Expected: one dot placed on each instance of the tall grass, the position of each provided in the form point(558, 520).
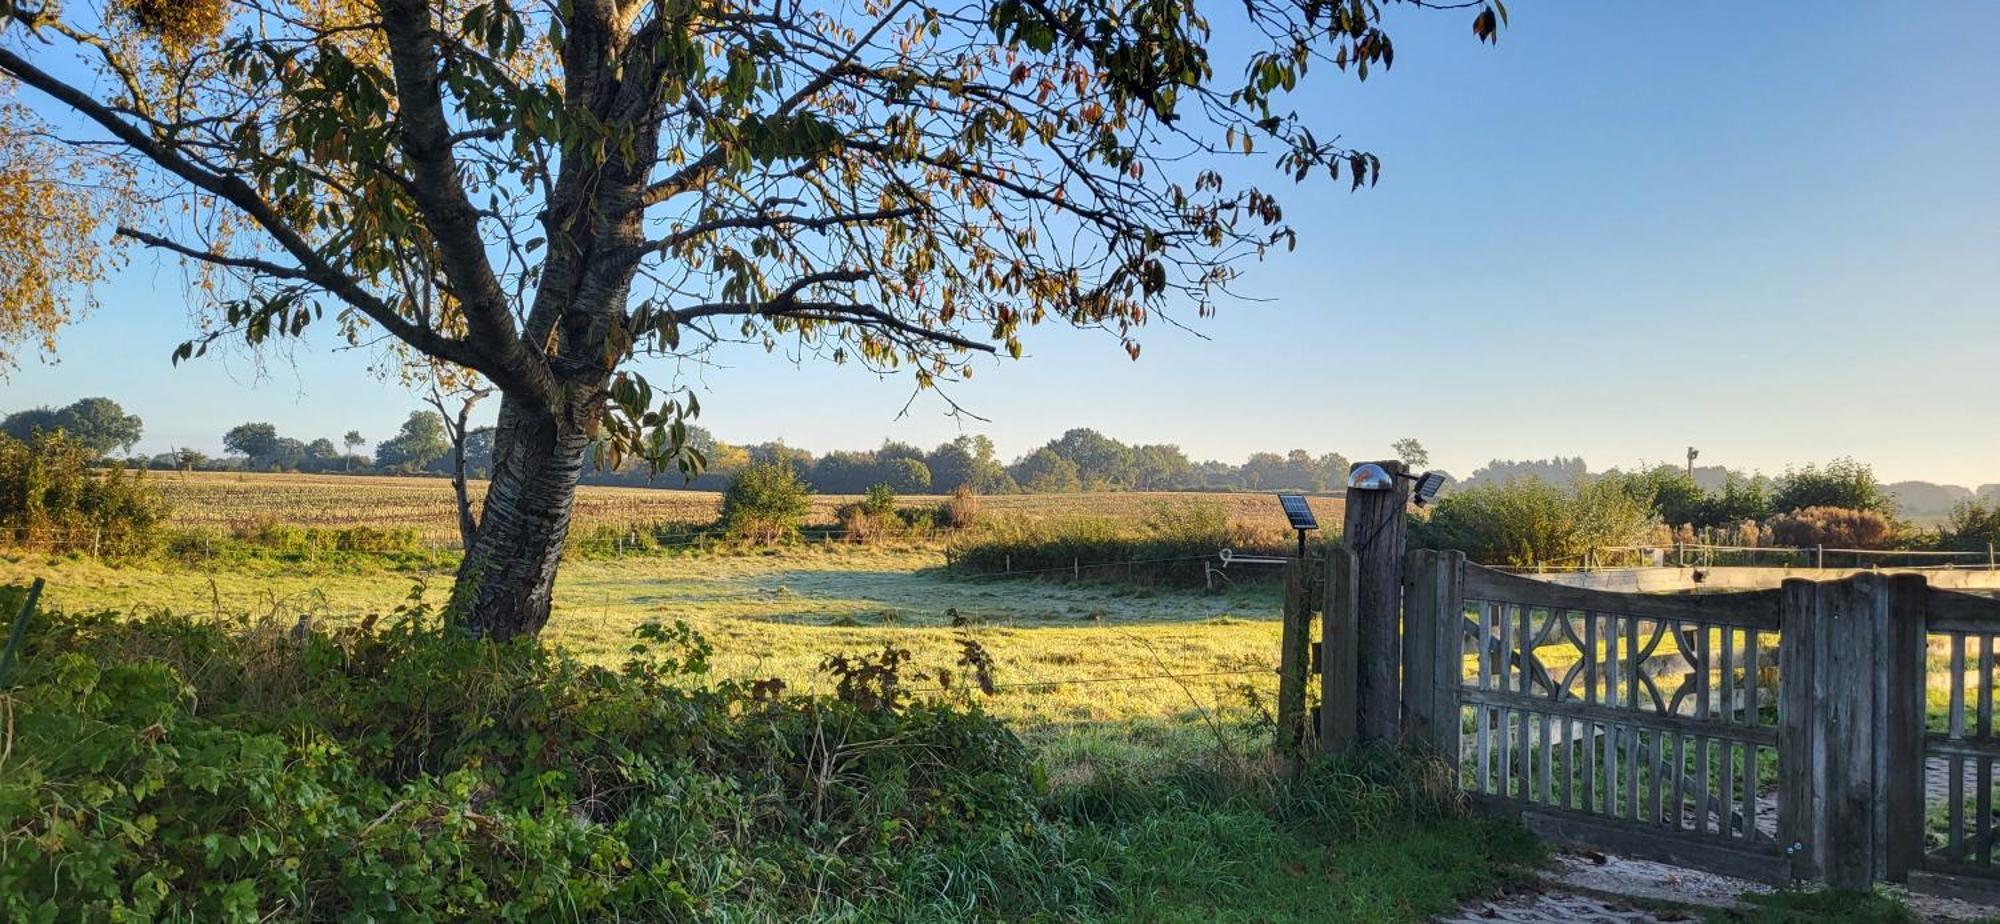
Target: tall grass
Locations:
point(1168, 546)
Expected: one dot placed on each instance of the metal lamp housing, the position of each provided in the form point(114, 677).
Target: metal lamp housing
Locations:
point(1369, 476)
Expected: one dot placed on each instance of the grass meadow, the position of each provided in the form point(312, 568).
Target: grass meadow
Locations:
point(1143, 703)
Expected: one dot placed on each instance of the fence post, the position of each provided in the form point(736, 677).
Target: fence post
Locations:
point(1850, 727)
point(1373, 529)
point(1905, 700)
point(1340, 655)
point(1294, 658)
point(1433, 651)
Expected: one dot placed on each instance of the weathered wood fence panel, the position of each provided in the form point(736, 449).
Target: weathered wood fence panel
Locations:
point(1957, 740)
point(1775, 734)
point(1633, 723)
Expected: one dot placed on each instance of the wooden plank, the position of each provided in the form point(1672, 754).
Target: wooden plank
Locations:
point(1982, 778)
point(1546, 753)
point(1955, 825)
point(1340, 655)
point(1703, 679)
point(1524, 644)
point(1483, 734)
point(1611, 806)
point(1448, 661)
point(1591, 738)
point(1905, 701)
point(1763, 735)
point(1578, 829)
point(1754, 717)
point(1796, 652)
point(1373, 529)
point(1755, 609)
point(1423, 624)
point(1952, 611)
point(1846, 669)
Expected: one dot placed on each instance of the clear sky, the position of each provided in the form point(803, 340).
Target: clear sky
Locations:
point(1769, 230)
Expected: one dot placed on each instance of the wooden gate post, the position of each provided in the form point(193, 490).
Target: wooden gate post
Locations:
point(1850, 727)
point(1373, 530)
point(1434, 651)
point(1340, 655)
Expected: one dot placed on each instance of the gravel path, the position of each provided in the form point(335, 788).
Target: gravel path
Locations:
point(1556, 908)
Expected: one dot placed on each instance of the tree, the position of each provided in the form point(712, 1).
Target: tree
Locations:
point(1412, 453)
point(1102, 463)
point(910, 476)
point(544, 194)
point(51, 230)
point(258, 441)
point(1046, 472)
point(96, 425)
point(187, 459)
point(351, 441)
point(458, 430)
point(320, 455)
point(420, 442)
point(1162, 467)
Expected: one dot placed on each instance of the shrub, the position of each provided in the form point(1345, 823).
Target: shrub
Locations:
point(1528, 521)
point(765, 502)
point(962, 510)
point(1833, 526)
point(164, 769)
point(880, 501)
point(51, 498)
point(1973, 526)
point(870, 517)
point(1843, 483)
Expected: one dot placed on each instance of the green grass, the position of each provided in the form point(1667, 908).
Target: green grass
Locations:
point(1160, 777)
point(1817, 907)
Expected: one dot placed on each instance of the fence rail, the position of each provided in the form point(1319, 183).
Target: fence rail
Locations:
point(1840, 730)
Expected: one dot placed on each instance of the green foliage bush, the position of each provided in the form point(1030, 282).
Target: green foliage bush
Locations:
point(1528, 521)
point(51, 498)
point(1675, 498)
point(765, 502)
point(1973, 526)
point(165, 769)
point(1842, 483)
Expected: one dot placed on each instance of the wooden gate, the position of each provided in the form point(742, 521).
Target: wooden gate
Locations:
point(1644, 724)
point(1837, 730)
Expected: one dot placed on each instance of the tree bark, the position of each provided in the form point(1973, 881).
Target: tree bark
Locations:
point(507, 578)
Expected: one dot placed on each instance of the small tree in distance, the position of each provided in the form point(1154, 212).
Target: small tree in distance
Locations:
point(765, 502)
point(1412, 453)
point(351, 441)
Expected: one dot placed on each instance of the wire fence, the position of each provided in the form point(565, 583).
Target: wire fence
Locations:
point(1705, 555)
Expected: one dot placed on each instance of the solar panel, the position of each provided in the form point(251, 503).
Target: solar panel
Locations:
point(1298, 511)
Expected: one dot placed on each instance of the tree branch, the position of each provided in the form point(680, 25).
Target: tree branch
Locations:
point(241, 195)
point(425, 138)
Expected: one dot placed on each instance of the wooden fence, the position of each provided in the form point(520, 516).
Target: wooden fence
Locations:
point(1840, 731)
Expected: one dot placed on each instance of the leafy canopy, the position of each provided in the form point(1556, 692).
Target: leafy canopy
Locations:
point(543, 194)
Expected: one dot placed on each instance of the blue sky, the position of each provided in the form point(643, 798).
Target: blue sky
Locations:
point(1768, 230)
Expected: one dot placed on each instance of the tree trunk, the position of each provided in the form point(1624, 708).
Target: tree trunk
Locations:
point(509, 573)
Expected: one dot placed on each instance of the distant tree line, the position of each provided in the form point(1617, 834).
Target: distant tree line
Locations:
point(1556, 512)
point(1079, 460)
